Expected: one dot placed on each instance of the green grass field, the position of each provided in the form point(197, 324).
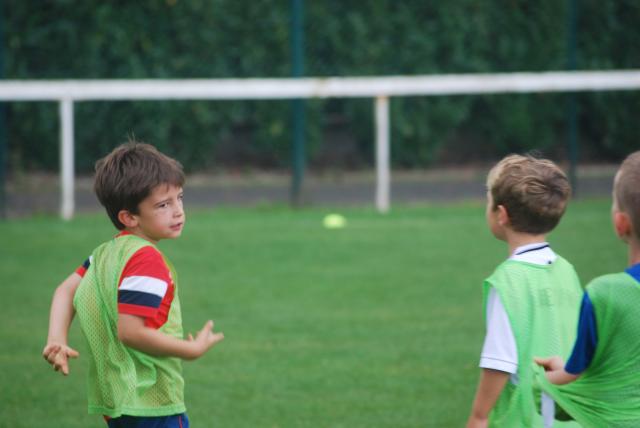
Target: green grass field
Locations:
point(376, 325)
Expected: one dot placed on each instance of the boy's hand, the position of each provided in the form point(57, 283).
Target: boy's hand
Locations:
point(554, 370)
point(58, 356)
point(550, 363)
point(205, 339)
point(474, 422)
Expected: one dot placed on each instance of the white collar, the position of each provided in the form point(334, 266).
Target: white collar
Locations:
point(539, 253)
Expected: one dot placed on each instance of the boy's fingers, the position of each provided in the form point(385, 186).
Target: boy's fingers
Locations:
point(73, 353)
point(545, 363)
point(541, 361)
point(50, 349)
point(62, 367)
point(205, 330)
point(51, 358)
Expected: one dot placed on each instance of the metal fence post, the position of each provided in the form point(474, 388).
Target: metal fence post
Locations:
point(66, 159)
point(382, 154)
point(572, 104)
point(298, 104)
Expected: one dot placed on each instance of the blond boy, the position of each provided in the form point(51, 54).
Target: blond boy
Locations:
point(531, 299)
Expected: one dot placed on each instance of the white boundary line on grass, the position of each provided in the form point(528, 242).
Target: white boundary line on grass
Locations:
point(66, 92)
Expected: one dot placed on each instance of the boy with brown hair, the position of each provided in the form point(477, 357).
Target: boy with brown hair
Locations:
point(531, 299)
point(126, 297)
point(600, 383)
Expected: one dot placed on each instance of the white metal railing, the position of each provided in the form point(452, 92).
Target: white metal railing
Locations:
point(66, 92)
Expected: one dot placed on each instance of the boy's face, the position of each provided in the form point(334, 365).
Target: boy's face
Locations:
point(161, 214)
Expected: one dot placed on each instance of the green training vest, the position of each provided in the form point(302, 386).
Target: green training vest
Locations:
point(542, 303)
point(123, 381)
point(607, 394)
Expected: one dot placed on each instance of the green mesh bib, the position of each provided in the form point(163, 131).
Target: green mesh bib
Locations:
point(607, 394)
point(542, 303)
point(123, 381)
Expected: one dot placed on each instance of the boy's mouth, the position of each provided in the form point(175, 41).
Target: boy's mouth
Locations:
point(177, 226)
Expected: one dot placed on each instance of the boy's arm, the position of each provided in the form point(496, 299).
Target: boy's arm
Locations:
point(56, 351)
point(554, 370)
point(583, 351)
point(491, 384)
point(134, 334)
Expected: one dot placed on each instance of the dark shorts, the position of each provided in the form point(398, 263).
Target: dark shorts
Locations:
point(173, 421)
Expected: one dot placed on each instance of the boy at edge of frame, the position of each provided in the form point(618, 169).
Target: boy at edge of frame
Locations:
point(600, 385)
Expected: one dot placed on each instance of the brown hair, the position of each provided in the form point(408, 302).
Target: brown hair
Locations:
point(129, 174)
point(626, 190)
point(533, 191)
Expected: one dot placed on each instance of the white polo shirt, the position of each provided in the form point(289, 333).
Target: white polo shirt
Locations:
point(499, 351)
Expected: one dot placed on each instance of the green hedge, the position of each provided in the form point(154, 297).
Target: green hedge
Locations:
point(231, 38)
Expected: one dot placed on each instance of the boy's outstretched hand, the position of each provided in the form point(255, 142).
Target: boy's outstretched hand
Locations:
point(58, 356)
point(205, 339)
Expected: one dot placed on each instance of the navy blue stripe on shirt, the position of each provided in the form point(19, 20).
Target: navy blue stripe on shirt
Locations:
point(139, 298)
point(634, 271)
point(532, 249)
point(87, 263)
point(586, 341)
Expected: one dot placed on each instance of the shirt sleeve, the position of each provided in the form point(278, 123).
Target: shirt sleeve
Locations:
point(499, 351)
point(143, 284)
point(586, 341)
point(82, 269)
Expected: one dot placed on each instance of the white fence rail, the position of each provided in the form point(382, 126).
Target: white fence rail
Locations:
point(66, 92)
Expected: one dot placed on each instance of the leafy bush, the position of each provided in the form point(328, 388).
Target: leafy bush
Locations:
point(227, 38)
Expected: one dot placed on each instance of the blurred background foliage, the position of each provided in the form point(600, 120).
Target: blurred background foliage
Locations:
point(93, 39)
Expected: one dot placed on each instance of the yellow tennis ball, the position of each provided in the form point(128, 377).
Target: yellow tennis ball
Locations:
point(334, 221)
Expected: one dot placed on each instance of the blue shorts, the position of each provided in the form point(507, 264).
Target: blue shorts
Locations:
point(173, 421)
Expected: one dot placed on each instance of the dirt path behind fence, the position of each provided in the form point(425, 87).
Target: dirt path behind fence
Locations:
point(39, 194)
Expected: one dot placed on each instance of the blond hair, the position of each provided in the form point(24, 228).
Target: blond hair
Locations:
point(626, 190)
point(533, 191)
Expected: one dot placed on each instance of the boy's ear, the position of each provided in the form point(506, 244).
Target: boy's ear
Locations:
point(622, 225)
point(503, 215)
point(129, 220)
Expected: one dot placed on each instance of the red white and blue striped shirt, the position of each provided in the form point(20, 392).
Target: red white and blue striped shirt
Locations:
point(145, 288)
